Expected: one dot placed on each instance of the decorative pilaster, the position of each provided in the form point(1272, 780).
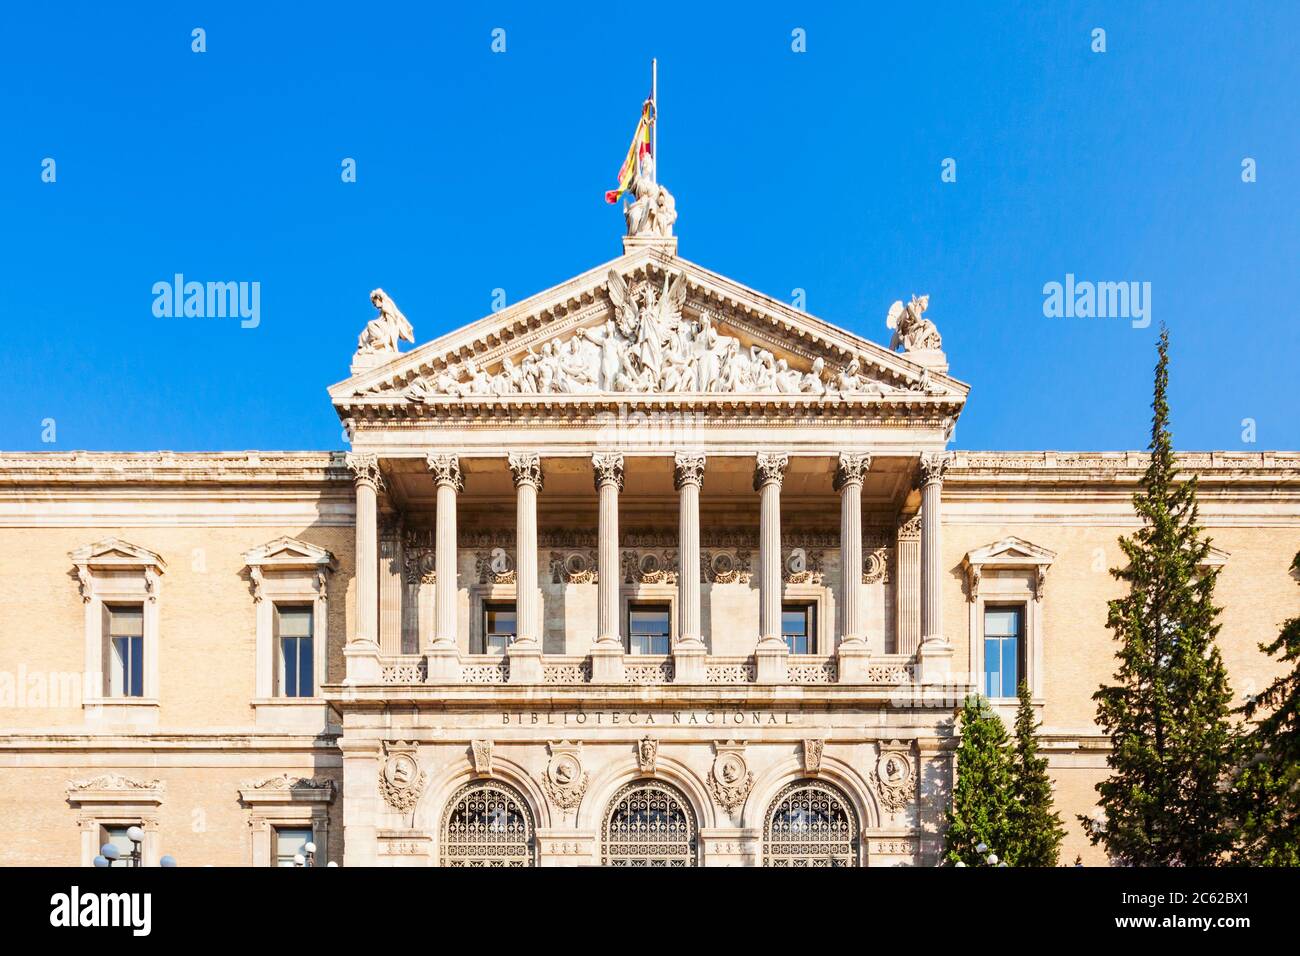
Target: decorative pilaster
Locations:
point(853, 651)
point(362, 651)
point(607, 652)
point(771, 652)
point(689, 650)
point(908, 586)
point(934, 644)
point(526, 651)
point(443, 656)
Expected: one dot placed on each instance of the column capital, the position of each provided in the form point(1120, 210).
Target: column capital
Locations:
point(365, 469)
point(445, 470)
point(769, 468)
point(851, 469)
point(688, 469)
point(608, 468)
point(932, 467)
point(526, 467)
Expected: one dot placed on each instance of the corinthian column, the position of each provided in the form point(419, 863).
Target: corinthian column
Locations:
point(771, 652)
point(607, 652)
point(849, 475)
point(362, 651)
point(446, 476)
point(526, 651)
point(934, 643)
point(367, 479)
point(689, 650)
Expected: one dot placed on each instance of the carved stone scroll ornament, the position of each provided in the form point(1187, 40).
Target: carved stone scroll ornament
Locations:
point(526, 468)
point(565, 781)
point(875, 566)
point(607, 468)
point(365, 469)
point(647, 752)
point(401, 781)
point(481, 752)
point(730, 780)
point(495, 567)
point(574, 567)
point(651, 566)
point(894, 777)
point(727, 566)
point(769, 468)
point(420, 565)
point(812, 755)
point(445, 470)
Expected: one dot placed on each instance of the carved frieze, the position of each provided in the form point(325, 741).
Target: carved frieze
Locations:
point(577, 566)
point(496, 566)
point(726, 565)
point(419, 565)
point(803, 566)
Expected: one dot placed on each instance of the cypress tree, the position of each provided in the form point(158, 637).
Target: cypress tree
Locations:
point(1037, 827)
point(1166, 801)
point(1268, 790)
point(982, 798)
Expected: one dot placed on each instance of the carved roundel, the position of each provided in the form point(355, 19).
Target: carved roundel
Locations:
point(564, 770)
point(893, 769)
point(576, 563)
point(500, 561)
point(723, 563)
point(797, 561)
point(650, 563)
point(729, 769)
point(401, 771)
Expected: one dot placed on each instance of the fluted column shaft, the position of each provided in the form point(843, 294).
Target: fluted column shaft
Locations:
point(608, 470)
point(908, 586)
point(849, 476)
point(933, 467)
point(768, 474)
point(527, 471)
point(367, 480)
point(446, 475)
point(688, 476)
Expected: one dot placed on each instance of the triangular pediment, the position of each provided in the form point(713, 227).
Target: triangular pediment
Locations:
point(115, 553)
point(646, 325)
point(286, 552)
point(1010, 552)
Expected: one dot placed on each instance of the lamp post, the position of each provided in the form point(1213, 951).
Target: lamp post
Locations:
point(110, 854)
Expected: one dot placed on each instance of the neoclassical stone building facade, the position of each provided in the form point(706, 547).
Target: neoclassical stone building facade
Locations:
point(648, 569)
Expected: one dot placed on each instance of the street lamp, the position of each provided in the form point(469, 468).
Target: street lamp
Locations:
point(110, 854)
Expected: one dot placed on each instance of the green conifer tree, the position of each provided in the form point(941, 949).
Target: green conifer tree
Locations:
point(1165, 802)
point(1037, 827)
point(982, 798)
point(1268, 789)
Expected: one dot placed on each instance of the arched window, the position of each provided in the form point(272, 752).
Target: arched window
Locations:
point(649, 823)
point(810, 823)
point(487, 823)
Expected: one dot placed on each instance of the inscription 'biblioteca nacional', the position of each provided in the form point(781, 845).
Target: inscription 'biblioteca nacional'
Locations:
point(633, 718)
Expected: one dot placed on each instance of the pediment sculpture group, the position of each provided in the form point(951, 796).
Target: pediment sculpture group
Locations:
point(648, 345)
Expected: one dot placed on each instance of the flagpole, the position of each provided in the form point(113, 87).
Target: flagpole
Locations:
point(654, 99)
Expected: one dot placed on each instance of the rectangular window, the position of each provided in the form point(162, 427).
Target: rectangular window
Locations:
point(1004, 635)
point(116, 835)
point(293, 638)
point(289, 842)
point(798, 628)
point(125, 627)
point(648, 629)
point(499, 628)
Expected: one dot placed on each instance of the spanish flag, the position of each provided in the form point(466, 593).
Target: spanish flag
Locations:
point(640, 147)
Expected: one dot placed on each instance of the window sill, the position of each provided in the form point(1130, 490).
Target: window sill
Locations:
point(135, 711)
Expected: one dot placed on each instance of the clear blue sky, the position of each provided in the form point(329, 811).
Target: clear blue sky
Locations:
point(816, 170)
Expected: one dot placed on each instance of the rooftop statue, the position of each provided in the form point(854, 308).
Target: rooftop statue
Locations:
point(654, 210)
point(911, 331)
point(384, 331)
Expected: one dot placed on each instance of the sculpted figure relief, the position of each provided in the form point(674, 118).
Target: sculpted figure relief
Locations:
point(646, 345)
point(384, 331)
point(911, 330)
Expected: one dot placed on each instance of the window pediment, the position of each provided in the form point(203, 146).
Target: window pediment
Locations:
point(288, 554)
point(1010, 554)
point(115, 555)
